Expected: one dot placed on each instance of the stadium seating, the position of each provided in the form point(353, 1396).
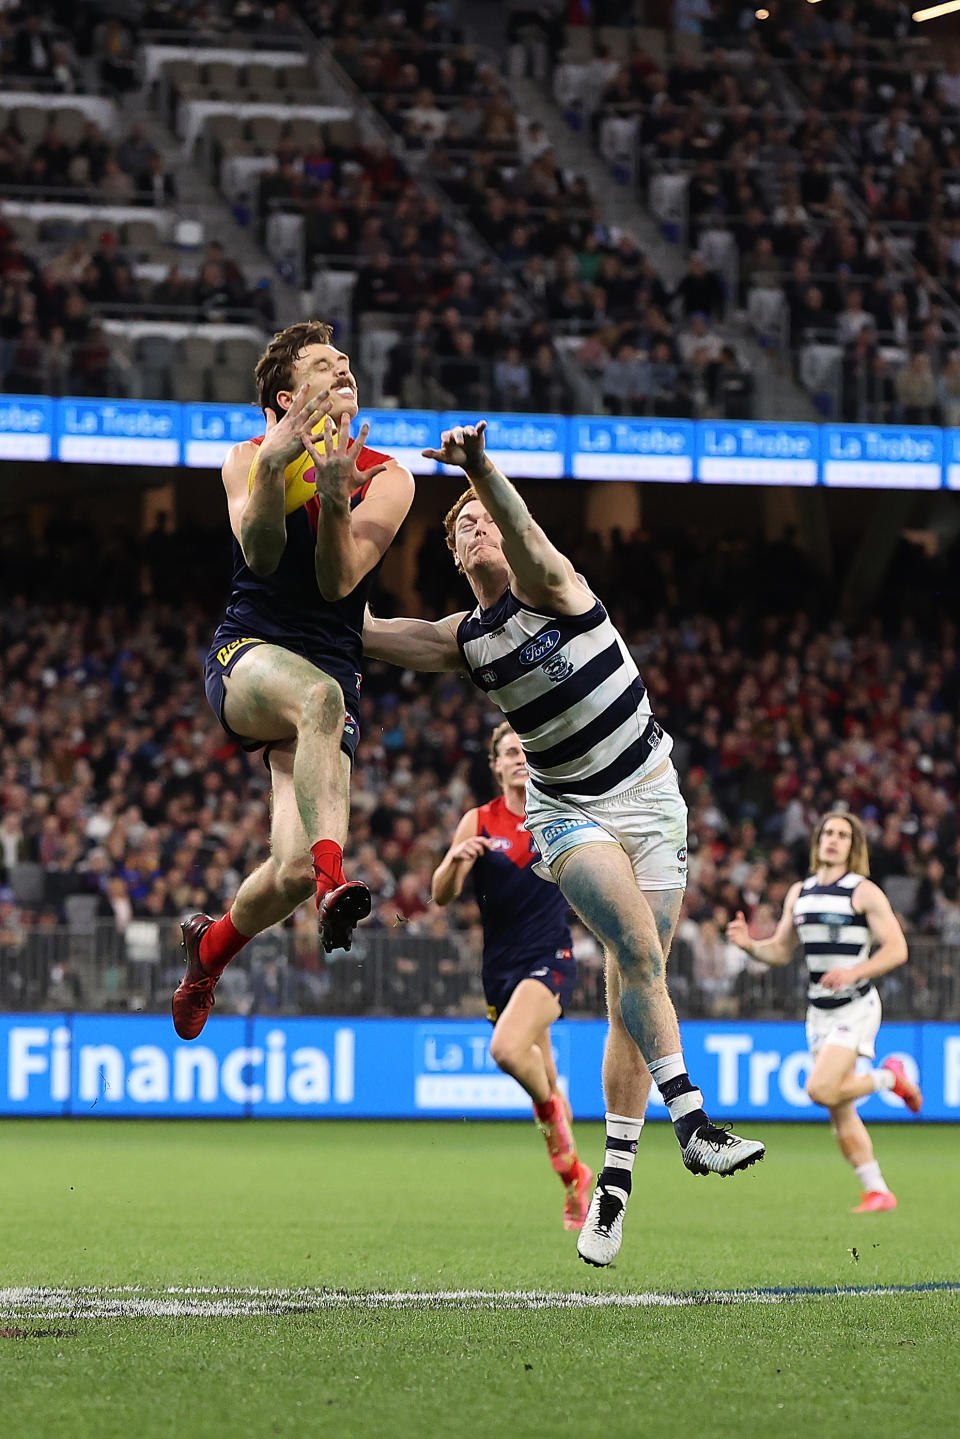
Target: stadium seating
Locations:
point(826, 139)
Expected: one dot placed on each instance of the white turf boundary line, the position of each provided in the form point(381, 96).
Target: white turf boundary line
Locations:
point(136, 1302)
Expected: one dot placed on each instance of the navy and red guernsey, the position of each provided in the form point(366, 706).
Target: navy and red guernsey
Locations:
point(525, 924)
point(286, 608)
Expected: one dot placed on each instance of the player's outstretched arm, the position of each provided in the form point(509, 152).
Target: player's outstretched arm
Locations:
point(429, 645)
point(776, 950)
point(253, 477)
point(870, 901)
point(466, 847)
point(544, 575)
point(351, 542)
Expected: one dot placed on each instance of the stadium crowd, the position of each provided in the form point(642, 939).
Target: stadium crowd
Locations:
point(117, 784)
point(488, 286)
point(812, 161)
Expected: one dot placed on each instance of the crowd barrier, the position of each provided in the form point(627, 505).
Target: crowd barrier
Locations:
point(584, 447)
point(97, 1066)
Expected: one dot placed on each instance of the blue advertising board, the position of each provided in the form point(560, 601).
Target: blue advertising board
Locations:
point(580, 447)
point(95, 1066)
point(882, 457)
point(209, 431)
point(26, 427)
point(951, 459)
point(119, 432)
point(608, 449)
point(526, 446)
point(403, 434)
point(757, 454)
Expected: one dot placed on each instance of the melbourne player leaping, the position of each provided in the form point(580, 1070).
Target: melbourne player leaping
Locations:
point(311, 523)
point(603, 802)
point(836, 913)
point(528, 966)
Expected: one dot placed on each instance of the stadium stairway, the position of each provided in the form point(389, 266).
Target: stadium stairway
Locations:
point(339, 87)
point(198, 199)
point(778, 396)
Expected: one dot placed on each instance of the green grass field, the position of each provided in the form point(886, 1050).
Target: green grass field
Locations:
point(384, 1208)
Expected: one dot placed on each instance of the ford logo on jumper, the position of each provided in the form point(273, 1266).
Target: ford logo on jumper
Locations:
point(539, 648)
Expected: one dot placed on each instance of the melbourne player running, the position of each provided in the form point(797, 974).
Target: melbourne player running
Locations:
point(529, 971)
point(603, 802)
point(311, 523)
point(837, 914)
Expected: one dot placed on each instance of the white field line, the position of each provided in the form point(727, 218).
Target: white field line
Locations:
point(173, 1302)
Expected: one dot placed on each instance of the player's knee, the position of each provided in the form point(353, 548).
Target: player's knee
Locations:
point(323, 706)
point(638, 964)
point(505, 1053)
point(295, 879)
point(820, 1091)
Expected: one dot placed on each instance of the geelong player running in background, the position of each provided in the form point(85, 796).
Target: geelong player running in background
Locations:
point(310, 524)
point(528, 967)
point(837, 913)
point(603, 802)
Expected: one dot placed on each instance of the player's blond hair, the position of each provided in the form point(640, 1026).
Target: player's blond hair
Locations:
point(451, 517)
point(501, 731)
point(859, 859)
point(274, 369)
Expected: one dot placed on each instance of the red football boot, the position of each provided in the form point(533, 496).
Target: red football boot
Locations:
point(577, 1200)
point(874, 1202)
point(904, 1085)
point(341, 909)
point(193, 999)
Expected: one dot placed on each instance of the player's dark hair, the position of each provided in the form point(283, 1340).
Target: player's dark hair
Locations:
point(274, 371)
point(859, 859)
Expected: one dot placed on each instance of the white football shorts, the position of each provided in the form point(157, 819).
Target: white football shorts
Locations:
point(648, 821)
point(853, 1025)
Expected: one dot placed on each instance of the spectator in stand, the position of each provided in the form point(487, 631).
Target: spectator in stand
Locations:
point(511, 380)
point(115, 46)
point(697, 335)
point(949, 390)
point(33, 48)
point(625, 382)
point(916, 390)
point(700, 291)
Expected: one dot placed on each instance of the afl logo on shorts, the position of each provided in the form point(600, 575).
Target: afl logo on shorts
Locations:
point(682, 855)
point(538, 649)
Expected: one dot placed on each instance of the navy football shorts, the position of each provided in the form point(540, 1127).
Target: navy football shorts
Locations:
point(558, 971)
point(222, 657)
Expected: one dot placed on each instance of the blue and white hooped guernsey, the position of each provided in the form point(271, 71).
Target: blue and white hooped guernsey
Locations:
point(571, 690)
point(833, 935)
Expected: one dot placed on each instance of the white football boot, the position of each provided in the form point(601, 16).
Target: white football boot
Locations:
point(602, 1232)
point(714, 1149)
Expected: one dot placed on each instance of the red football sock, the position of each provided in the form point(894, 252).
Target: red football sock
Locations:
point(327, 866)
point(220, 943)
point(559, 1139)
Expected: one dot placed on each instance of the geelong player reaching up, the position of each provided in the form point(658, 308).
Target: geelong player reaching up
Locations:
point(311, 521)
point(837, 913)
point(528, 966)
point(603, 803)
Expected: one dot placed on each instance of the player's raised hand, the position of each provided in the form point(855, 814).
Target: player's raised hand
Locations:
point(464, 446)
point(282, 441)
point(335, 466)
point(738, 931)
point(471, 849)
